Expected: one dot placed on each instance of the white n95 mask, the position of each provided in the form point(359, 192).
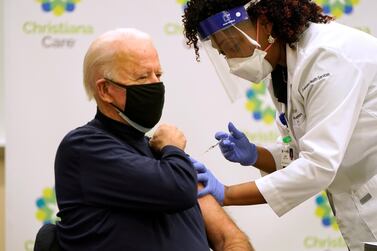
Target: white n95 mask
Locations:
point(254, 68)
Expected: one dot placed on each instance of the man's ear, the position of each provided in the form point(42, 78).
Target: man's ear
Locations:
point(103, 91)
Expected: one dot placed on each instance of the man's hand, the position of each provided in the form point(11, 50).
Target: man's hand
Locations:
point(167, 135)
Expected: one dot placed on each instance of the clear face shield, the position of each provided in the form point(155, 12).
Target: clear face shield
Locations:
point(236, 56)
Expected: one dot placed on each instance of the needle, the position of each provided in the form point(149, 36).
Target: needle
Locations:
point(217, 143)
point(213, 146)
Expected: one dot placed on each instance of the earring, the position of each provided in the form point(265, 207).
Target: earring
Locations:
point(271, 39)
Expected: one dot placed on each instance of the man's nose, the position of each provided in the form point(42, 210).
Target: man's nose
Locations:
point(154, 78)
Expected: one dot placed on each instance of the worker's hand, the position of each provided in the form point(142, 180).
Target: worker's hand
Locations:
point(167, 135)
point(211, 184)
point(236, 147)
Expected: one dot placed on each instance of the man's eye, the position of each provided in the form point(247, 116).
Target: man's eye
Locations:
point(142, 77)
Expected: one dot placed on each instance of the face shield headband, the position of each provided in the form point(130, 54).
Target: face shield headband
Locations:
point(221, 21)
point(216, 39)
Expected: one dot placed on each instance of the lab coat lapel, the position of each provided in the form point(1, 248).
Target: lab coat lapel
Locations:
point(292, 55)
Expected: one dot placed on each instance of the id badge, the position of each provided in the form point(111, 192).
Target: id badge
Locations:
point(287, 155)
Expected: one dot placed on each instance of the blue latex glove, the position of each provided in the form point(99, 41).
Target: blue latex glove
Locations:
point(211, 184)
point(236, 147)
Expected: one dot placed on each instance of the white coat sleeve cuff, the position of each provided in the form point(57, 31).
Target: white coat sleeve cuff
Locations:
point(272, 196)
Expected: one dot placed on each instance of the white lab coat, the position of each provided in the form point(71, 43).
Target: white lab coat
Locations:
point(332, 114)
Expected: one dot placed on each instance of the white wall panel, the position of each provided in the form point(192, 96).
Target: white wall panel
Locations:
point(44, 99)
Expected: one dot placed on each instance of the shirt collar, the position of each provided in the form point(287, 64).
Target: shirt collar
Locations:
point(115, 127)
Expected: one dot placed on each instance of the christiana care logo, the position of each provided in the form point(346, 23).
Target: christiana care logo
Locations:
point(183, 3)
point(59, 32)
point(323, 211)
point(327, 241)
point(58, 7)
point(255, 104)
point(45, 212)
point(176, 28)
point(46, 206)
point(261, 111)
point(337, 7)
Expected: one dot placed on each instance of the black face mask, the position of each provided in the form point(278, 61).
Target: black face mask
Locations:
point(144, 104)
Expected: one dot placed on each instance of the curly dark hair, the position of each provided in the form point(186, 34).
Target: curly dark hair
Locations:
point(289, 17)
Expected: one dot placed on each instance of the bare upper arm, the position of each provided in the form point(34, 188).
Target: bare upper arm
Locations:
point(223, 234)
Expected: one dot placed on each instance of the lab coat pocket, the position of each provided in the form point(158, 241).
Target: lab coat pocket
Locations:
point(365, 199)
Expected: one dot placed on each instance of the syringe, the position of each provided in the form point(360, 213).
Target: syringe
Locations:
point(217, 143)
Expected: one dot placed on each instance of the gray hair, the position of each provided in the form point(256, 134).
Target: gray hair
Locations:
point(101, 56)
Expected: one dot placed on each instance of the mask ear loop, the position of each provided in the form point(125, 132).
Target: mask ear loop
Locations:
point(271, 39)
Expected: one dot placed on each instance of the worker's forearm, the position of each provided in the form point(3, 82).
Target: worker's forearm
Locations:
point(265, 161)
point(243, 194)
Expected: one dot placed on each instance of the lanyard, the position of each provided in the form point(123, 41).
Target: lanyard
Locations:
point(284, 121)
point(287, 150)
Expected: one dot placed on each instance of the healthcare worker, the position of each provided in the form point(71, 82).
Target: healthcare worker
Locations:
point(322, 77)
